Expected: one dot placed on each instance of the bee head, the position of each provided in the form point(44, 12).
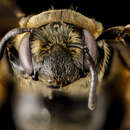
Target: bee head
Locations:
point(58, 46)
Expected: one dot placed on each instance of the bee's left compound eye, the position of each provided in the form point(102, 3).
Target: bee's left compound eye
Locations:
point(90, 43)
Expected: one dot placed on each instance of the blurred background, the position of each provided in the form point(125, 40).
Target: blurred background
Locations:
point(110, 13)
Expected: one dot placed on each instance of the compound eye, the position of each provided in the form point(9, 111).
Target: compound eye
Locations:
point(91, 45)
point(25, 54)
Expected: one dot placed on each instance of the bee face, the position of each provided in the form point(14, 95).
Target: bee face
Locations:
point(56, 60)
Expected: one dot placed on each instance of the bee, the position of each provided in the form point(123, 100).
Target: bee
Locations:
point(65, 55)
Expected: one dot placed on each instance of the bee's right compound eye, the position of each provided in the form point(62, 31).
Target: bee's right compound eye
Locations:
point(25, 55)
